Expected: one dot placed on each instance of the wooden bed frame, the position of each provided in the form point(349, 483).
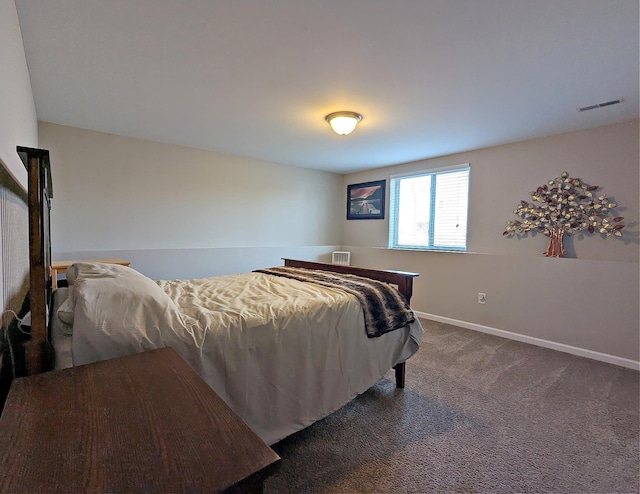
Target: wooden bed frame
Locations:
point(40, 192)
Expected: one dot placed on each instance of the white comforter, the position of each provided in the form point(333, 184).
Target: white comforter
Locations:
point(281, 353)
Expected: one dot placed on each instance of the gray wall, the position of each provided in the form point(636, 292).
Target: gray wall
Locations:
point(179, 213)
point(589, 301)
point(183, 212)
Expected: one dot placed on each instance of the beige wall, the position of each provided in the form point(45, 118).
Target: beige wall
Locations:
point(18, 126)
point(589, 301)
point(181, 212)
point(502, 176)
point(18, 123)
point(194, 209)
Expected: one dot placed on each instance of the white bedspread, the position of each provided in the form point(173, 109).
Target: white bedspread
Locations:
point(281, 353)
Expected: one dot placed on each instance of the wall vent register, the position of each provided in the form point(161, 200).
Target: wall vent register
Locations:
point(341, 257)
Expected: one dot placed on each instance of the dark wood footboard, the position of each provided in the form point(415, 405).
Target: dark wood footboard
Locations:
point(402, 279)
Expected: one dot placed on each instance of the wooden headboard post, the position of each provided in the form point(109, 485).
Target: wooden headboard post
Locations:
point(39, 194)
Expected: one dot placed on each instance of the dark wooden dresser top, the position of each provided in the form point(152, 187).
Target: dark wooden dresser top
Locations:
point(142, 423)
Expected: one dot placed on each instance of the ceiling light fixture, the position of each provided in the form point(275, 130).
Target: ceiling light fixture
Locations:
point(343, 122)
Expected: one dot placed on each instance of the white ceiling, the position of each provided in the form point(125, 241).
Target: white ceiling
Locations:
point(255, 78)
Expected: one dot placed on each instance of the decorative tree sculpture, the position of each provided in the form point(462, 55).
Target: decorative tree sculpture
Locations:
point(565, 205)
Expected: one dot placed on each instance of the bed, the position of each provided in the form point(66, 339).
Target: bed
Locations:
point(283, 351)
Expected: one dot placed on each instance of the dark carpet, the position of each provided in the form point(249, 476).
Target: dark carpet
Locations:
point(479, 414)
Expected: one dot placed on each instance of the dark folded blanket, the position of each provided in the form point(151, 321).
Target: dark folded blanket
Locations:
point(385, 309)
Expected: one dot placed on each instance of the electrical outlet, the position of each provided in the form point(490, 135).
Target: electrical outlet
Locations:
point(482, 298)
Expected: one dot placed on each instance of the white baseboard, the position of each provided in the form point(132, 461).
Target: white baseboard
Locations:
point(582, 352)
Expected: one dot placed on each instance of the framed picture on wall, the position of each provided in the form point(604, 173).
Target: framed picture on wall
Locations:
point(365, 201)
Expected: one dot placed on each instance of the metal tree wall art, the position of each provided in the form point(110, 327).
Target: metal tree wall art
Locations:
point(565, 205)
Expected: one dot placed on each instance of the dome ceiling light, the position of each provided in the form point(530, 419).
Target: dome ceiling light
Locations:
point(343, 122)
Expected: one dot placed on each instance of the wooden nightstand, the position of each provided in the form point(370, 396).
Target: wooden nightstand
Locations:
point(142, 423)
point(60, 267)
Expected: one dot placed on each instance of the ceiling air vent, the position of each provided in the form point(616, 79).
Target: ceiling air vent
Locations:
point(601, 105)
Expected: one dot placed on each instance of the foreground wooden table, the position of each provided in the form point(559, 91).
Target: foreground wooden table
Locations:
point(143, 423)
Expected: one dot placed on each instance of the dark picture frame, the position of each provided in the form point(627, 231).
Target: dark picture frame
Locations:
point(365, 201)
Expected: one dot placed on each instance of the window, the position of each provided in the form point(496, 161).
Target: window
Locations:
point(428, 210)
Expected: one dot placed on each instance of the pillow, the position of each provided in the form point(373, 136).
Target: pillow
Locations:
point(119, 311)
point(65, 311)
point(72, 274)
point(97, 270)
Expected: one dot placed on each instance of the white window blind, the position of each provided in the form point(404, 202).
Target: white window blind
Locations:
point(428, 210)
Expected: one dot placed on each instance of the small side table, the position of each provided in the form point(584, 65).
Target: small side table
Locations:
point(60, 267)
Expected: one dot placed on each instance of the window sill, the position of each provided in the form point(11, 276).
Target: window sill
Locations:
point(450, 251)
